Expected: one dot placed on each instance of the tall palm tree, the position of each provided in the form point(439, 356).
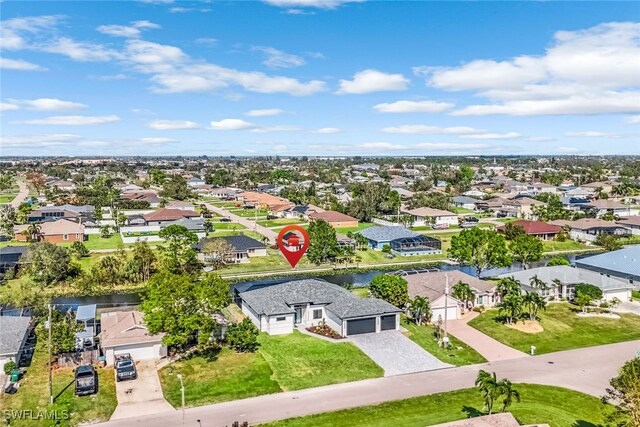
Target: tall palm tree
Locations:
point(507, 393)
point(487, 383)
point(420, 310)
point(33, 232)
point(538, 283)
point(534, 303)
point(463, 292)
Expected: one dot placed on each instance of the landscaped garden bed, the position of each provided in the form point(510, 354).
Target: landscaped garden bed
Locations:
point(324, 330)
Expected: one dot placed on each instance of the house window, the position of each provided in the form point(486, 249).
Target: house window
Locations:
point(65, 237)
point(317, 314)
point(280, 319)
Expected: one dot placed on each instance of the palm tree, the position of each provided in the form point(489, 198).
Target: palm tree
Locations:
point(538, 283)
point(420, 310)
point(463, 292)
point(487, 383)
point(511, 307)
point(509, 285)
point(507, 393)
point(33, 232)
point(534, 303)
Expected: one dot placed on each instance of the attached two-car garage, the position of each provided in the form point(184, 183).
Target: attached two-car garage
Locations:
point(368, 325)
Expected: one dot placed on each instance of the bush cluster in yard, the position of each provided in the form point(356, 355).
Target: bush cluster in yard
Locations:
point(243, 337)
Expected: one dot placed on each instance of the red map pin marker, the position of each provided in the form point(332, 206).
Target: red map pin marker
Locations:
point(293, 242)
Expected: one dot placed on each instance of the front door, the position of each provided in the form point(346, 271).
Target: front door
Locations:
point(298, 318)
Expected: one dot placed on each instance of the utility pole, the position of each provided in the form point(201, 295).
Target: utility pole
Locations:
point(50, 371)
point(445, 339)
point(182, 393)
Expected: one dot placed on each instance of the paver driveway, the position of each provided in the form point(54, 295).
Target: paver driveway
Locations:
point(396, 354)
point(142, 396)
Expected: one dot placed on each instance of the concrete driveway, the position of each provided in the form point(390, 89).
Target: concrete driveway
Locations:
point(142, 395)
point(396, 354)
point(628, 307)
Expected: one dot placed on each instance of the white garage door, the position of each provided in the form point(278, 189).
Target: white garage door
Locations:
point(138, 352)
point(452, 313)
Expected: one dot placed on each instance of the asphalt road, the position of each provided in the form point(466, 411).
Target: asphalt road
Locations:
point(21, 196)
point(251, 225)
point(587, 370)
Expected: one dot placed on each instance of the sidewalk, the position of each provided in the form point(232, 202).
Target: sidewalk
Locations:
point(489, 348)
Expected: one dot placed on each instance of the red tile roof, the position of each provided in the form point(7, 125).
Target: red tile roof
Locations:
point(535, 227)
point(331, 216)
point(169, 215)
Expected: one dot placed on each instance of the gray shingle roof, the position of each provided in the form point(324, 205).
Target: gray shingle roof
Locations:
point(280, 299)
point(465, 199)
point(624, 262)
point(385, 233)
point(12, 332)
point(570, 276)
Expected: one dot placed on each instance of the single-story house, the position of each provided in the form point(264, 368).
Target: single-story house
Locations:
point(148, 196)
point(588, 229)
point(428, 216)
point(10, 257)
point(124, 332)
point(179, 204)
point(632, 223)
point(540, 187)
point(244, 247)
point(60, 231)
point(195, 225)
point(593, 186)
point(299, 211)
point(279, 308)
point(623, 264)
point(432, 285)
point(335, 219)
point(224, 192)
point(520, 207)
point(562, 280)
point(605, 206)
point(14, 331)
point(165, 215)
point(539, 229)
point(403, 193)
point(402, 241)
point(464, 202)
point(195, 181)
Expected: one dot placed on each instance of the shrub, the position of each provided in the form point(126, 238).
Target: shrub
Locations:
point(479, 308)
point(9, 366)
point(392, 289)
point(386, 249)
point(243, 337)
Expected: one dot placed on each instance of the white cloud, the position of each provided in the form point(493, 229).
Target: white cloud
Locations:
point(634, 120)
point(172, 124)
point(326, 131)
point(319, 4)
point(38, 140)
point(79, 51)
point(128, 31)
point(232, 124)
point(592, 134)
point(280, 148)
point(19, 64)
point(110, 77)
point(414, 107)
point(48, 104)
point(432, 130)
point(264, 112)
point(207, 41)
point(383, 146)
point(12, 31)
point(154, 141)
point(275, 58)
point(491, 135)
point(7, 107)
point(450, 146)
point(72, 120)
point(590, 71)
point(369, 81)
point(269, 129)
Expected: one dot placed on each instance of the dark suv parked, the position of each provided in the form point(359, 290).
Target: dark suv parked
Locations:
point(125, 368)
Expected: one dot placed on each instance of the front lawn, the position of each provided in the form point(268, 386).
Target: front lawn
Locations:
point(557, 406)
point(567, 245)
point(301, 361)
point(231, 376)
point(285, 362)
point(95, 241)
point(459, 354)
point(279, 222)
point(635, 295)
point(563, 330)
point(33, 393)
point(217, 225)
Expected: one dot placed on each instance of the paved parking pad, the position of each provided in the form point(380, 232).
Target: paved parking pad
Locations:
point(396, 354)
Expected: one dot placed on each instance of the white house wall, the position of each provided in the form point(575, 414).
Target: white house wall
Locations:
point(622, 295)
point(280, 327)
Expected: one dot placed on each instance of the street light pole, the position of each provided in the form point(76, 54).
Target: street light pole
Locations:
point(50, 371)
point(445, 340)
point(182, 394)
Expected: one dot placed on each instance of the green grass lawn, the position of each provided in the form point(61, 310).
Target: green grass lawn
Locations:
point(563, 330)
point(556, 406)
point(280, 221)
point(249, 213)
point(301, 361)
point(34, 393)
point(284, 362)
point(231, 376)
point(217, 225)
point(95, 241)
point(362, 292)
point(460, 210)
point(552, 245)
point(459, 354)
point(635, 295)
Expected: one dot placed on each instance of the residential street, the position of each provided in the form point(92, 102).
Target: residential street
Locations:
point(21, 196)
point(266, 232)
point(587, 370)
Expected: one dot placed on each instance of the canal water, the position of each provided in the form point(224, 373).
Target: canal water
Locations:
point(355, 280)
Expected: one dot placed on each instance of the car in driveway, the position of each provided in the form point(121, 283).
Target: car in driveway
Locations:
point(125, 368)
point(225, 219)
point(86, 380)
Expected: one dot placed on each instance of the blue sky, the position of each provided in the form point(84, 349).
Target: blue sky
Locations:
point(319, 77)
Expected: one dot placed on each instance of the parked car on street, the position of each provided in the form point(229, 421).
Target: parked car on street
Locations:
point(469, 222)
point(225, 219)
point(86, 380)
point(441, 226)
point(125, 368)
